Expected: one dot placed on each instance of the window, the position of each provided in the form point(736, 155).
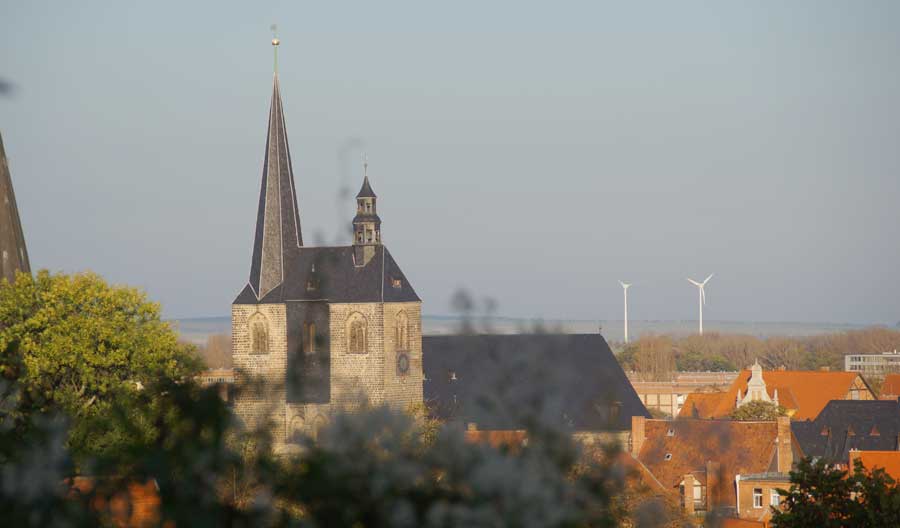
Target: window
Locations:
point(670, 432)
point(357, 337)
point(396, 283)
point(401, 331)
point(774, 498)
point(757, 497)
point(312, 284)
point(259, 335)
point(309, 337)
point(668, 456)
point(368, 207)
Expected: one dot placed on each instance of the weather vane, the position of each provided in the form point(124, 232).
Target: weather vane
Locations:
point(275, 43)
point(365, 158)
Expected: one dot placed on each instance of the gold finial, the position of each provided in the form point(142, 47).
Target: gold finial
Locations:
point(275, 43)
point(365, 157)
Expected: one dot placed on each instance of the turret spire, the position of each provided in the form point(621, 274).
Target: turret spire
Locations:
point(13, 255)
point(278, 217)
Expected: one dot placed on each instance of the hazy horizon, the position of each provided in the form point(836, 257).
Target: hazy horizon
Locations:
point(533, 154)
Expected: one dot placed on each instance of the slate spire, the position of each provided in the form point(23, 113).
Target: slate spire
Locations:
point(13, 255)
point(278, 218)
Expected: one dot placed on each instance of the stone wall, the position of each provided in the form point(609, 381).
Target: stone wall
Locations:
point(260, 376)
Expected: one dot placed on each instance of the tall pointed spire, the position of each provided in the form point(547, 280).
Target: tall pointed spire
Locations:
point(13, 255)
point(278, 217)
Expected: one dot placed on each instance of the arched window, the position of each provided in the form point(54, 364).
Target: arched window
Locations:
point(295, 433)
point(309, 337)
point(259, 334)
point(357, 341)
point(401, 331)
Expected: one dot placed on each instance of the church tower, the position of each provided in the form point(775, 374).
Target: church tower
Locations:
point(318, 330)
point(13, 254)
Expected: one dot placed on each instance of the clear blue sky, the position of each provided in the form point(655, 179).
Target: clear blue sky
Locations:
point(531, 152)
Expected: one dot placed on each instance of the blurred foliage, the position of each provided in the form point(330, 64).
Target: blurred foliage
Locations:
point(76, 345)
point(657, 357)
point(822, 496)
point(758, 411)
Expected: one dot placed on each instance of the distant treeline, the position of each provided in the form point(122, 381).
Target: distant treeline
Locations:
point(217, 351)
point(655, 357)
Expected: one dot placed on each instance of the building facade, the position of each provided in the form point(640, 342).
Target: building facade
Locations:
point(873, 364)
point(668, 397)
point(317, 329)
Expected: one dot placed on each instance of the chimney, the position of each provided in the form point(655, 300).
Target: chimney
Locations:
point(713, 498)
point(637, 434)
point(783, 444)
point(688, 496)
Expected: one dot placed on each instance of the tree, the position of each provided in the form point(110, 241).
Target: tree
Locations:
point(758, 411)
point(82, 345)
point(822, 496)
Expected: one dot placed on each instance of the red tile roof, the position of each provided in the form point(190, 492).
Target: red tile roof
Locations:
point(701, 404)
point(135, 505)
point(737, 447)
point(511, 439)
point(889, 461)
point(805, 391)
point(891, 386)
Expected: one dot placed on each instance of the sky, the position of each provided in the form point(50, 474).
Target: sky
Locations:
point(533, 153)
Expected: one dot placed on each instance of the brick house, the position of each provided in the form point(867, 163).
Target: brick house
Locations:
point(699, 461)
point(319, 328)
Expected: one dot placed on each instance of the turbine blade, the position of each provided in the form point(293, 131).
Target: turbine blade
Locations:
point(703, 294)
point(695, 283)
point(707, 278)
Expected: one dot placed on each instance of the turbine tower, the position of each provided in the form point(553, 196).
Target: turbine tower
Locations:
point(702, 293)
point(625, 286)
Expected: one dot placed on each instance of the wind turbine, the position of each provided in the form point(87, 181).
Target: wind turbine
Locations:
point(702, 292)
point(625, 286)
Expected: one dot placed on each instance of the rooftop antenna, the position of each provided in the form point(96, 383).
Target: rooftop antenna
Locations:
point(625, 286)
point(702, 292)
point(275, 43)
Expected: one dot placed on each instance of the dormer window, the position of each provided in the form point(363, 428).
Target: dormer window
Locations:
point(396, 283)
point(668, 457)
point(451, 375)
point(312, 284)
point(670, 432)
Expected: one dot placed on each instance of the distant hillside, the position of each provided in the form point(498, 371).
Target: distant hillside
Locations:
point(197, 330)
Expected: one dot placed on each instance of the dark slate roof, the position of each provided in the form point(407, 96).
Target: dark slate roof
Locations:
point(13, 254)
point(278, 216)
point(849, 424)
point(503, 382)
point(366, 190)
point(329, 274)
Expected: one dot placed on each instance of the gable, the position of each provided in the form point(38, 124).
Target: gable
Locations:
point(331, 274)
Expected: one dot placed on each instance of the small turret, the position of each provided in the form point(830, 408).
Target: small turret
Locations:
point(366, 223)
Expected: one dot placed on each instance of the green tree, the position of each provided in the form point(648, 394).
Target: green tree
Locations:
point(758, 411)
point(81, 346)
point(822, 496)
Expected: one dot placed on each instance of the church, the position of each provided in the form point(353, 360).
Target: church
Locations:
point(317, 329)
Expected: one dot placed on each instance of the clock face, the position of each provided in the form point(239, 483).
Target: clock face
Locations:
point(402, 363)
